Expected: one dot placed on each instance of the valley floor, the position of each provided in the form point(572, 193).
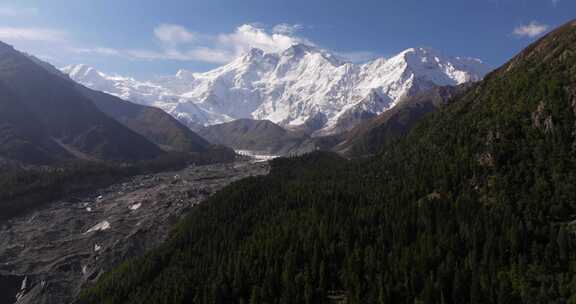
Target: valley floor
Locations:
point(58, 248)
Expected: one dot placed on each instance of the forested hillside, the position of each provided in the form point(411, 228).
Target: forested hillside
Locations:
point(371, 136)
point(477, 204)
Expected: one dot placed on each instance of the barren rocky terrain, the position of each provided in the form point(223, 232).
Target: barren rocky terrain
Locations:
point(46, 256)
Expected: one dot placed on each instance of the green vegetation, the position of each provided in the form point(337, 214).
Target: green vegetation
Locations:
point(476, 205)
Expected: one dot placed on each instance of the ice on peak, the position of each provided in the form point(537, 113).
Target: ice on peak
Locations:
point(293, 85)
point(80, 66)
point(420, 50)
point(78, 69)
point(89, 73)
point(299, 49)
point(427, 63)
point(84, 72)
point(378, 61)
point(426, 54)
point(251, 56)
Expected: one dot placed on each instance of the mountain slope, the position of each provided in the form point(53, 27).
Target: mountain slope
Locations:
point(24, 142)
point(261, 136)
point(302, 85)
point(372, 135)
point(64, 115)
point(152, 123)
point(475, 205)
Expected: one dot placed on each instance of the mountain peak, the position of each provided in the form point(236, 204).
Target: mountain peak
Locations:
point(252, 54)
point(443, 69)
point(83, 71)
point(429, 54)
point(291, 86)
point(79, 69)
point(300, 49)
point(421, 52)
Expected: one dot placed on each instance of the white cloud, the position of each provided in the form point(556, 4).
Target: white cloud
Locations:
point(555, 2)
point(178, 43)
point(173, 34)
point(17, 12)
point(287, 29)
point(31, 34)
point(530, 30)
point(249, 36)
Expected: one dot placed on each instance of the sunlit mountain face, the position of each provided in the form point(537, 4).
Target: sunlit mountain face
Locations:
point(302, 85)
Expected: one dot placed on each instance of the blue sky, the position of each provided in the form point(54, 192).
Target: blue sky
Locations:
point(148, 38)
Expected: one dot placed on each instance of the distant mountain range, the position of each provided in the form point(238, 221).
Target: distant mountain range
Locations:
point(368, 137)
point(45, 117)
point(302, 88)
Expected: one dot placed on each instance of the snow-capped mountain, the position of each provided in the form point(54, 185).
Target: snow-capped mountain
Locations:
point(301, 86)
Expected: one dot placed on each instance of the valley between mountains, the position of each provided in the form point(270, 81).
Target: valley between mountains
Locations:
point(49, 254)
point(290, 176)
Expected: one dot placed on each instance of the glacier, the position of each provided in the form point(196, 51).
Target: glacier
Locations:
point(302, 87)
